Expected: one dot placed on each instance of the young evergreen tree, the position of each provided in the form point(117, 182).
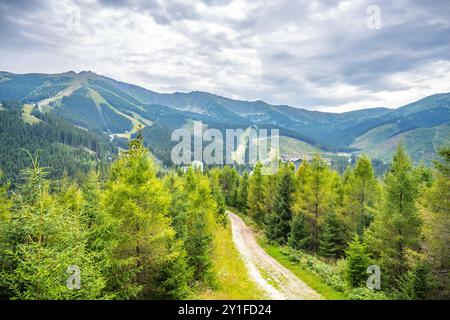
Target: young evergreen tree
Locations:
point(216, 191)
point(42, 240)
point(243, 193)
point(316, 196)
point(357, 263)
point(300, 235)
point(395, 229)
point(278, 222)
point(413, 285)
point(201, 225)
point(178, 208)
point(229, 180)
point(256, 197)
point(332, 237)
point(139, 201)
point(361, 192)
point(436, 225)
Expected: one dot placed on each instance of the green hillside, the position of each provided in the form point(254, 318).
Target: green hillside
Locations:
point(422, 143)
point(115, 110)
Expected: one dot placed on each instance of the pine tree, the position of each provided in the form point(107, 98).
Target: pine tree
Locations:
point(216, 191)
point(316, 196)
point(201, 225)
point(436, 225)
point(395, 229)
point(178, 209)
point(300, 235)
point(139, 201)
point(256, 198)
point(413, 285)
point(243, 193)
point(5, 202)
point(229, 180)
point(278, 222)
point(41, 241)
point(357, 263)
point(361, 192)
point(332, 237)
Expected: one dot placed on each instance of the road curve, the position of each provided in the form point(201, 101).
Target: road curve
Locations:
point(278, 282)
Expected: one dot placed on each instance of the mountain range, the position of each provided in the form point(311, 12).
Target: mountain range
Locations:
point(110, 108)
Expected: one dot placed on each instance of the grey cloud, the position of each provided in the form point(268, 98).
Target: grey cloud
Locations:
point(298, 49)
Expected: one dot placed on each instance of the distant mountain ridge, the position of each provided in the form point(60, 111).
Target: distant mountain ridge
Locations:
point(112, 107)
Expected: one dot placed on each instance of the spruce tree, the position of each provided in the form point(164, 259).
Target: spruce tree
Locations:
point(278, 222)
point(217, 193)
point(357, 263)
point(256, 197)
point(395, 229)
point(139, 201)
point(316, 196)
point(436, 225)
point(361, 192)
point(44, 238)
point(300, 235)
point(332, 237)
point(200, 226)
point(243, 193)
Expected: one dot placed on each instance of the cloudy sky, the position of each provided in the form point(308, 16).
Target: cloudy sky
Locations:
point(321, 55)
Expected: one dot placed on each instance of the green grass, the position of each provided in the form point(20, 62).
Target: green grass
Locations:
point(233, 280)
point(27, 117)
point(311, 279)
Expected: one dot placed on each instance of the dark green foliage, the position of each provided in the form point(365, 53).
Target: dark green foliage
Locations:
point(114, 123)
point(413, 285)
point(332, 237)
point(300, 235)
point(11, 105)
point(278, 222)
point(243, 193)
point(229, 181)
point(31, 88)
point(63, 147)
point(357, 263)
point(395, 229)
point(82, 111)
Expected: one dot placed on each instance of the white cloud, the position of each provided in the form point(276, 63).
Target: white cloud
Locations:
point(317, 55)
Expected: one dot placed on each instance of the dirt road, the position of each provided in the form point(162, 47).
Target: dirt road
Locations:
point(278, 282)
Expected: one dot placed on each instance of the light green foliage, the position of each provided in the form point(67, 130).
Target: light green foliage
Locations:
point(436, 225)
point(42, 239)
point(316, 196)
point(361, 192)
point(200, 224)
point(256, 196)
point(139, 202)
point(357, 263)
point(395, 229)
point(5, 202)
point(216, 191)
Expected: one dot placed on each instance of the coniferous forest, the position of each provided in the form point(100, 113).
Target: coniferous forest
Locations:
point(139, 231)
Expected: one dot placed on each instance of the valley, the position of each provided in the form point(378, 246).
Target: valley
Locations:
point(106, 107)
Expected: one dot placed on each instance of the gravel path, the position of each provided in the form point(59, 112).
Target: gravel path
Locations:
point(278, 282)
